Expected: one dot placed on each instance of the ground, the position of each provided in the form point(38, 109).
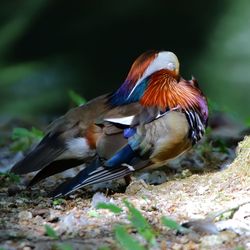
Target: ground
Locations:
point(216, 203)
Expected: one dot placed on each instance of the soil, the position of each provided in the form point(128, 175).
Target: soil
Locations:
point(205, 190)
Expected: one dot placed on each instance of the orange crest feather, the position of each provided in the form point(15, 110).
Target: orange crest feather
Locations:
point(165, 91)
point(140, 65)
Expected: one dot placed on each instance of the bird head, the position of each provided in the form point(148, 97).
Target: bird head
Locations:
point(154, 80)
point(151, 62)
point(140, 72)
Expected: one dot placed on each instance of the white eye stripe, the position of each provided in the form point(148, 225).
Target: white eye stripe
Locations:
point(164, 60)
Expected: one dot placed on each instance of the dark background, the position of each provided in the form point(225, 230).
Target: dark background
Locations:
point(49, 47)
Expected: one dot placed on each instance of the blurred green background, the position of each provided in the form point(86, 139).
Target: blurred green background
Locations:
point(48, 47)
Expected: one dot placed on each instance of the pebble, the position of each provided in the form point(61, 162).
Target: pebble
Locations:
point(38, 220)
point(70, 223)
point(136, 186)
point(26, 248)
point(155, 178)
point(13, 190)
point(25, 215)
point(214, 241)
point(42, 212)
point(53, 216)
point(99, 198)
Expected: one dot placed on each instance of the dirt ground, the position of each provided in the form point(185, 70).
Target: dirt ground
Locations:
point(185, 195)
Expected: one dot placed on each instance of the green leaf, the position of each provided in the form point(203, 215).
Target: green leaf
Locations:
point(58, 201)
point(77, 99)
point(247, 122)
point(34, 133)
point(208, 130)
point(222, 147)
point(20, 145)
point(240, 248)
point(104, 248)
point(140, 223)
point(51, 232)
point(11, 177)
point(37, 133)
point(93, 213)
point(64, 246)
point(24, 138)
point(126, 241)
point(172, 224)
point(113, 208)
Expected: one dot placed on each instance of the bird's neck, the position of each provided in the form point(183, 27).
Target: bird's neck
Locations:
point(165, 91)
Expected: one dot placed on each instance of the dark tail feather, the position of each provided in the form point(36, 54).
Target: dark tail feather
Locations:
point(40, 157)
point(54, 168)
point(92, 174)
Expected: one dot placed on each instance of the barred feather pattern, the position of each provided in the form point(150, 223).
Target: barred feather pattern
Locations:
point(197, 127)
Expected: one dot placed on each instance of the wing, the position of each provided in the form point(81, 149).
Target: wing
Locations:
point(47, 150)
point(66, 138)
point(150, 144)
point(72, 140)
point(54, 168)
point(115, 158)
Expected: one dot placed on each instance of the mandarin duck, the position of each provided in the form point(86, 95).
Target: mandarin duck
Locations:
point(154, 116)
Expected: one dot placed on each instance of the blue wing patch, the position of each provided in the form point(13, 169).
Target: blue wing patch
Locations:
point(128, 132)
point(125, 155)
